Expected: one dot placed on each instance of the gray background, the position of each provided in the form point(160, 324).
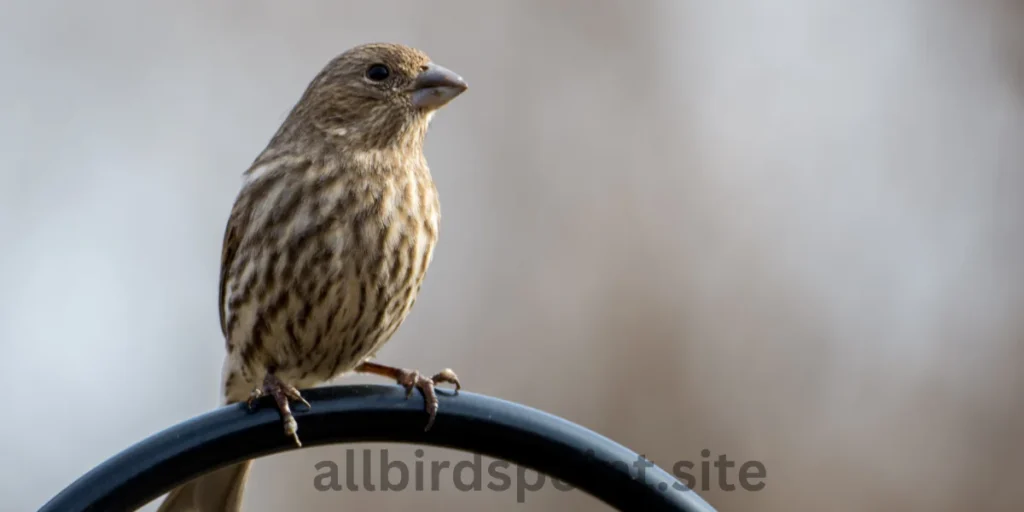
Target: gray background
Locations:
point(787, 232)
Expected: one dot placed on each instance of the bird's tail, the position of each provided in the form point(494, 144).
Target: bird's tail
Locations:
point(217, 491)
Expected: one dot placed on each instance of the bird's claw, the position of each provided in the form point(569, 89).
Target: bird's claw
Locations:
point(282, 393)
point(410, 379)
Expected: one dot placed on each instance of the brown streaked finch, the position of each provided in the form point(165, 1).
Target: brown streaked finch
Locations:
point(328, 243)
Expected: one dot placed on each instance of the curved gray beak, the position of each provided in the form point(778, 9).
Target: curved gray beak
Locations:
point(436, 86)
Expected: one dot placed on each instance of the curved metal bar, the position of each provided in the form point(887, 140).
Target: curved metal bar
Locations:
point(359, 413)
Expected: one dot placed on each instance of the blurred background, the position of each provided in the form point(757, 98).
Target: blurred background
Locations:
point(789, 233)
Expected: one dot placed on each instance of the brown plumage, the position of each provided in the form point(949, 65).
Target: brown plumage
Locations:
point(329, 241)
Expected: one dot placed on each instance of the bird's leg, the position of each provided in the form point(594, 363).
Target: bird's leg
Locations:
point(410, 379)
point(282, 393)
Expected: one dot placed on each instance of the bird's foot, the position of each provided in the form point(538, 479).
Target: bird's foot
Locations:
point(283, 393)
point(410, 379)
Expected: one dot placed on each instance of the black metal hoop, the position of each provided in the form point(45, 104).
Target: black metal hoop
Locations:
point(358, 413)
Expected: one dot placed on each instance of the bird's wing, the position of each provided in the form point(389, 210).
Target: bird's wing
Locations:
point(264, 175)
point(232, 239)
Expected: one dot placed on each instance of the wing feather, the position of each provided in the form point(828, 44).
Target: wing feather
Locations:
point(233, 234)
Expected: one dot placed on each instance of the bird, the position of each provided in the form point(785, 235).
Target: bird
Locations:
point(328, 242)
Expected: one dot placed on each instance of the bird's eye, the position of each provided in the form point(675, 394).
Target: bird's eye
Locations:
point(378, 72)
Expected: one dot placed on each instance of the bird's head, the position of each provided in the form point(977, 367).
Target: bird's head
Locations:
point(378, 95)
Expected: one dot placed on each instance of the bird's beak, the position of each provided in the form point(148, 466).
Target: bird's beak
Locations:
point(435, 86)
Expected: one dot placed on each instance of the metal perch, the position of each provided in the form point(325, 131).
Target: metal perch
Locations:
point(362, 413)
